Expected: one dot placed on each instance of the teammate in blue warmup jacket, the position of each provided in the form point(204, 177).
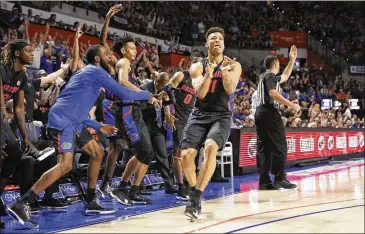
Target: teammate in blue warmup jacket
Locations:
point(66, 120)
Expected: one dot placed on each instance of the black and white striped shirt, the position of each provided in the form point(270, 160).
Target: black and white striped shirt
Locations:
point(268, 80)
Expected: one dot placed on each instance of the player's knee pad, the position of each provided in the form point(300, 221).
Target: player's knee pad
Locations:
point(144, 154)
point(147, 158)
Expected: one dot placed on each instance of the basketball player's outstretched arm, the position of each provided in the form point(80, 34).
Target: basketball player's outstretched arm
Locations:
point(176, 79)
point(76, 50)
point(174, 82)
point(104, 81)
point(289, 68)
point(104, 31)
point(231, 72)
point(53, 76)
point(123, 67)
point(201, 83)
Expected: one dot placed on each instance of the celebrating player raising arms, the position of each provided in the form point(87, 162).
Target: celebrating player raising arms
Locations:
point(214, 80)
point(128, 117)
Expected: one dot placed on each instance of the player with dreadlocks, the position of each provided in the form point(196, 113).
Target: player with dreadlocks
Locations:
point(13, 79)
point(127, 116)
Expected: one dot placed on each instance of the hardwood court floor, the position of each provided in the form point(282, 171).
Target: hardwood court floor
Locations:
point(329, 198)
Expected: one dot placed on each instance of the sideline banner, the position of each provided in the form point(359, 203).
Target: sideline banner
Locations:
point(12, 193)
point(306, 145)
point(287, 39)
point(66, 34)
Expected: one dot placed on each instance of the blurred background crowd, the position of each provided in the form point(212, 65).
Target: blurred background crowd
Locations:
point(246, 25)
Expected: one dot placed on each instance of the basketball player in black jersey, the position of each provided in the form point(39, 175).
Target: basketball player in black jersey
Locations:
point(214, 80)
point(185, 100)
point(131, 126)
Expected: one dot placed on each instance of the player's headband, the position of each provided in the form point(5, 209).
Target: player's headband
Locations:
point(20, 45)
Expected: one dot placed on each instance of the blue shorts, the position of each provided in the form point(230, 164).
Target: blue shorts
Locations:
point(131, 122)
point(108, 112)
point(134, 130)
point(67, 140)
point(169, 137)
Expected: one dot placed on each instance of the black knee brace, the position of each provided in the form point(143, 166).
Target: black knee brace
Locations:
point(144, 152)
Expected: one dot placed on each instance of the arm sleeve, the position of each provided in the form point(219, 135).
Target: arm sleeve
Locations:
point(271, 81)
point(92, 124)
point(124, 93)
point(37, 84)
point(167, 103)
point(100, 99)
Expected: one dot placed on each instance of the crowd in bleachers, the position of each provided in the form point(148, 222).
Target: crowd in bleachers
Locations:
point(338, 26)
point(308, 85)
point(246, 25)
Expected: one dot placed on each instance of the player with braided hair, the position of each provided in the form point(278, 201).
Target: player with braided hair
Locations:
point(13, 78)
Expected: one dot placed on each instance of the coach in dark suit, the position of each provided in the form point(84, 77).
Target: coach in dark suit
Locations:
point(154, 118)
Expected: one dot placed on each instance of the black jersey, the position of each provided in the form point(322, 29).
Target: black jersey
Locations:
point(217, 99)
point(268, 80)
point(185, 98)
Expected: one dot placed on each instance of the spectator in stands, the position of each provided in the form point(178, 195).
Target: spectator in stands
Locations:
point(142, 76)
point(15, 17)
point(165, 48)
point(37, 19)
point(38, 44)
point(75, 26)
point(30, 15)
point(46, 62)
point(52, 20)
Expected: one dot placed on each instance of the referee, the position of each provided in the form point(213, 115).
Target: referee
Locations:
point(271, 141)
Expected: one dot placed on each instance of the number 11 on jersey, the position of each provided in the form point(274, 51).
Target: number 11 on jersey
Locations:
point(212, 87)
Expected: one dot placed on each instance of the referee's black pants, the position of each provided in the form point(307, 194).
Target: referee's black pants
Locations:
point(271, 144)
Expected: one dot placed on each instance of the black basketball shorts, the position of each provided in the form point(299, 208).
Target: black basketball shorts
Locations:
point(203, 125)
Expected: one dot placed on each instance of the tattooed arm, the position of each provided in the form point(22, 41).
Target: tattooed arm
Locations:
point(231, 72)
point(200, 83)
